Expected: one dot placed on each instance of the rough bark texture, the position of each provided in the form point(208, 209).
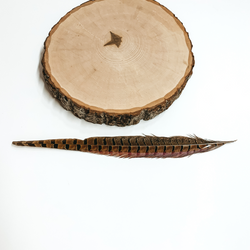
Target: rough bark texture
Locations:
point(113, 118)
point(119, 120)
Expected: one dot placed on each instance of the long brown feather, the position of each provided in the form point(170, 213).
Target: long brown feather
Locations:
point(132, 146)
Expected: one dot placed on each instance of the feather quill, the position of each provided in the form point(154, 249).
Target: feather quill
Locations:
point(133, 146)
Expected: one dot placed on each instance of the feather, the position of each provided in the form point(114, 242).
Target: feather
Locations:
point(133, 146)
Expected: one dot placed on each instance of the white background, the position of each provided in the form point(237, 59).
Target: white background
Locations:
point(55, 199)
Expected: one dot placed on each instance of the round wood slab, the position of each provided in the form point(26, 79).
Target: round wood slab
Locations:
point(117, 61)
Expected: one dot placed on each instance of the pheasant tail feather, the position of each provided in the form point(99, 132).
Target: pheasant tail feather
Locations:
point(133, 146)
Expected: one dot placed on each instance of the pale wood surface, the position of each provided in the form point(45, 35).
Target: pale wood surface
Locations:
point(118, 57)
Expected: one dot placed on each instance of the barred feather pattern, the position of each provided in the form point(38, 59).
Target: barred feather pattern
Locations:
point(133, 146)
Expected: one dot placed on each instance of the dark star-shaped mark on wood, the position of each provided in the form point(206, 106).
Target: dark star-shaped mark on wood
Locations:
point(115, 39)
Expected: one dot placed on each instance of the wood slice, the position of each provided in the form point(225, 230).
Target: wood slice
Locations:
point(117, 61)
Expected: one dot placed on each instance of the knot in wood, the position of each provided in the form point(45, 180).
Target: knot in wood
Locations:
point(115, 39)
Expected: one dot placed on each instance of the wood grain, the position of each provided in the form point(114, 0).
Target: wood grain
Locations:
point(117, 61)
